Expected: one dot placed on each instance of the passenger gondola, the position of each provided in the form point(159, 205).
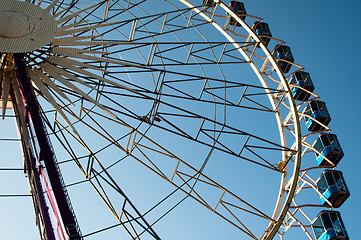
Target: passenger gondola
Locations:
point(329, 147)
point(333, 187)
point(239, 9)
point(263, 31)
point(318, 111)
point(304, 85)
point(329, 226)
point(208, 3)
point(284, 54)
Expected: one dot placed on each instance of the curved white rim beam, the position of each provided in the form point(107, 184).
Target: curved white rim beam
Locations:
point(280, 212)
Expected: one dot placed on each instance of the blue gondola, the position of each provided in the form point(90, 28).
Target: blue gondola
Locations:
point(318, 111)
point(329, 147)
point(263, 31)
point(208, 3)
point(238, 8)
point(303, 80)
point(329, 226)
point(283, 52)
point(333, 187)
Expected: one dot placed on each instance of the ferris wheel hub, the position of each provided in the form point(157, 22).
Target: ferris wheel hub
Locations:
point(15, 24)
point(24, 27)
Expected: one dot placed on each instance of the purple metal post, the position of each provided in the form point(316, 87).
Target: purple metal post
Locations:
point(39, 198)
point(41, 210)
point(46, 153)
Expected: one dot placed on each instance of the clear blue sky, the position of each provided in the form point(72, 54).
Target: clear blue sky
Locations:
point(324, 37)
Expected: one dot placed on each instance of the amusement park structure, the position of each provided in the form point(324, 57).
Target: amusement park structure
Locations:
point(192, 105)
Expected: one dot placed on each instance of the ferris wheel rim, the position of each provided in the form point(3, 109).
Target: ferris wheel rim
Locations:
point(280, 216)
point(284, 82)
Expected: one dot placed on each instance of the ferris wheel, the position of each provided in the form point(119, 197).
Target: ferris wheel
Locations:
point(166, 119)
